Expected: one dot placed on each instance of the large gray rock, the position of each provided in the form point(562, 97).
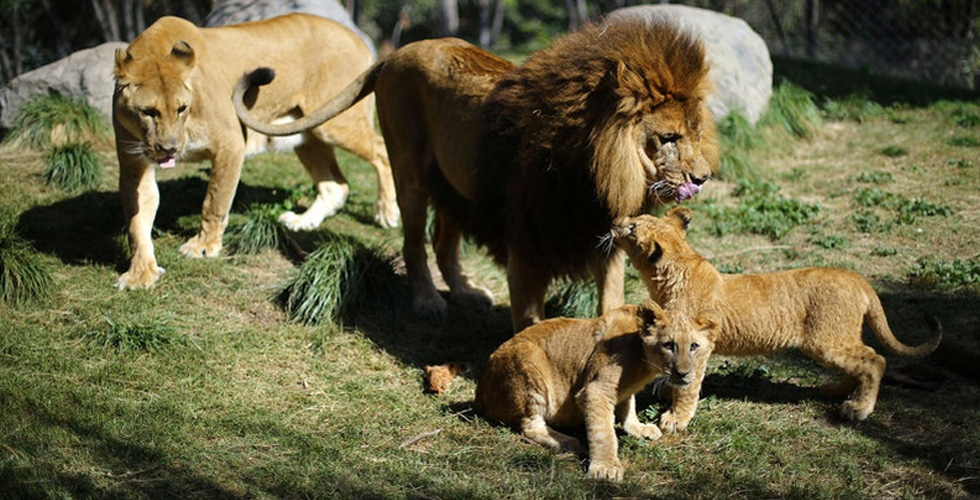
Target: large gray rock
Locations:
point(84, 74)
point(227, 12)
point(741, 69)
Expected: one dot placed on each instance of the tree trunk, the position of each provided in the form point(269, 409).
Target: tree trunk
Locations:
point(448, 17)
point(779, 27)
point(484, 23)
point(812, 22)
point(498, 23)
point(105, 15)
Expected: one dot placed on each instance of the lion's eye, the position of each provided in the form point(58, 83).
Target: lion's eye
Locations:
point(694, 346)
point(668, 346)
point(669, 137)
point(149, 112)
point(181, 109)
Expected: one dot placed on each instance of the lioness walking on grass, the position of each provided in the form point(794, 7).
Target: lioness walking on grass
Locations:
point(819, 311)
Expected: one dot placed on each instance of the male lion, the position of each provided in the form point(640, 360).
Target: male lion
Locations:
point(566, 372)
point(533, 161)
point(173, 100)
point(819, 311)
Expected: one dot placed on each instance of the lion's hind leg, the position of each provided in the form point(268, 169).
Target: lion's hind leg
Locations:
point(331, 186)
point(446, 244)
point(863, 369)
point(536, 429)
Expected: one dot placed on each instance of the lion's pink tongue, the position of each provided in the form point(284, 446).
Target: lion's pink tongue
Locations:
point(687, 191)
point(168, 162)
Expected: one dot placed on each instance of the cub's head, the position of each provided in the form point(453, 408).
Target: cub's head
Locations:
point(676, 344)
point(153, 98)
point(653, 244)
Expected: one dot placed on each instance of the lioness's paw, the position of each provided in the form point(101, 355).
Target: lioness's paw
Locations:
point(669, 423)
point(131, 280)
point(611, 470)
point(388, 215)
point(196, 248)
point(849, 410)
point(643, 431)
point(296, 222)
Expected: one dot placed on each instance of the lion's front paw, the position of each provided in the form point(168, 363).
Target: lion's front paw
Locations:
point(196, 248)
point(142, 278)
point(849, 410)
point(388, 215)
point(644, 431)
point(606, 470)
point(669, 423)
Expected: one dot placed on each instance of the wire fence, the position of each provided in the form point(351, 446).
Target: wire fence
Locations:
point(928, 40)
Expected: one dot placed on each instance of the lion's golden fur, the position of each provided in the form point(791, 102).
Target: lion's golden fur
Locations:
point(535, 161)
point(819, 311)
point(568, 372)
point(173, 102)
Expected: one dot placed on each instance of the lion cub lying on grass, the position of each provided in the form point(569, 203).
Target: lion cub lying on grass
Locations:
point(819, 311)
point(566, 372)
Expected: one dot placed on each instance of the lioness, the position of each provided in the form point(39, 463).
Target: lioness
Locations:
point(173, 101)
point(533, 161)
point(819, 311)
point(566, 372)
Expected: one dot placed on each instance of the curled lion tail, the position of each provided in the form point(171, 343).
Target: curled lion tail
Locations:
point(875, 317)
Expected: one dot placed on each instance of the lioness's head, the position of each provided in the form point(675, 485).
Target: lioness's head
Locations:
point(153, 98)
point(675, 343)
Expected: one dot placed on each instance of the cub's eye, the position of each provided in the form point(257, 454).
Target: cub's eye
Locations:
point(149, 112)
point(182, 109)
point(668, 346)
point(694, 347)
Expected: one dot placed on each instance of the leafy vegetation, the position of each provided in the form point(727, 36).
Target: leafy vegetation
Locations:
point(49, 120)
point(24, 277)
point(947, 275)
point(127, 337)
point(260, 231)
point(760, 210)
point(792, 108)
point(74, 167)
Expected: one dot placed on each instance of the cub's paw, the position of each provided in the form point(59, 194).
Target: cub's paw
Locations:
point(669, 423)
point(643, 431)
point(145, 278)
point(611, 470)
point(849, 410)
point(196, 247)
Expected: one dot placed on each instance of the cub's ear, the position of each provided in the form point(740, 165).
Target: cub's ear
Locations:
point(651, 314)
point(183, 52)
point(123, 60)
point(680, 217)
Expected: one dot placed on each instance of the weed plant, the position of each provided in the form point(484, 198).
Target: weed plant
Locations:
point(792, 109)
point(894, 151)
point(738, 138)
point(74, 168)
point(133, 337)
point(760, 210)
point(855, 107)
point(573, 299)
point(260, 231)
point(957, 274)
point(54, 120)
point(964, 141)
point(23, 276)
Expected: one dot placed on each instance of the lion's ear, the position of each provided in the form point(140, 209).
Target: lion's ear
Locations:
point(123, 60)
point(681, 217)
point(632, 88)
point(183, 52)
point(651, 314)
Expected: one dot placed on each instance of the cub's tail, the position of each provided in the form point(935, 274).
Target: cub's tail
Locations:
point(879, 325)
point(357, 90)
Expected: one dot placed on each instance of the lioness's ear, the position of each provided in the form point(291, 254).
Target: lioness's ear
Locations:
point(709, 322)
point(651, 314)
point(183, 52)
point(123, 60)
point(681, 217)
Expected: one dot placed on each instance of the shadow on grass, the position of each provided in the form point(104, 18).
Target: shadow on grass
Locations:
point(84, 229)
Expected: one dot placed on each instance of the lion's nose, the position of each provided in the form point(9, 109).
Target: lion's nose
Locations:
point(699, 180)
point(677, 374)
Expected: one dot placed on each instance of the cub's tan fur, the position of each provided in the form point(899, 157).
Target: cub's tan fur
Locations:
point(173, 101)
point(566, 372)
point(819, 311)
point(533, 161)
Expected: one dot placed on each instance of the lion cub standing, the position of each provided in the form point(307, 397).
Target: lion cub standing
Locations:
point(566, 372)
point(819, 311)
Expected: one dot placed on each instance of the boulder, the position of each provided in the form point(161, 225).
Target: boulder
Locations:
point(84, 74)
point(741, 69)
point(227, 12)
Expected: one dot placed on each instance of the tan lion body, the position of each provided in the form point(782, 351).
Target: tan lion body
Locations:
point(173, 101)
point(533, 161)
point(819, 311)
point(568, 372)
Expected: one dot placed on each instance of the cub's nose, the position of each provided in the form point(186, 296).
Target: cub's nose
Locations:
point(678, 375)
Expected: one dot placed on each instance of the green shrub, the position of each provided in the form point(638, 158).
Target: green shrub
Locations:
point(792, 109)
point(74, 167)
point(55, 120)
point(260, 231)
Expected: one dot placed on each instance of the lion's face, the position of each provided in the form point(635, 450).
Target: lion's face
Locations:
point(651, 242)
point(153, 101)
point(671, 137)
point(675, 343)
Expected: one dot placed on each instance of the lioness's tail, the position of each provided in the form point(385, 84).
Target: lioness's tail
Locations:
point(357, 90)
point(879, 325)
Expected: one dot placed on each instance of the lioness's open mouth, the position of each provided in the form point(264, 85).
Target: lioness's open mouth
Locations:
point(167, 162)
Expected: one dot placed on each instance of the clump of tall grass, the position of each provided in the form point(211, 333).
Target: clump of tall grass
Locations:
point(73, 167)
point(54, 121)
point(23, 276)
point(738, 138)
point(260, 231)
point(130, 337)
point(572, 298)
point(792, 109)
point(339, 279)
point(855, 107)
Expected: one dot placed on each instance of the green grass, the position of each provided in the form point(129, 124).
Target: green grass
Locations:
point(792, 108)
point(56, 121)
point(260, 230)
point(207, 387)
point(74, 168)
